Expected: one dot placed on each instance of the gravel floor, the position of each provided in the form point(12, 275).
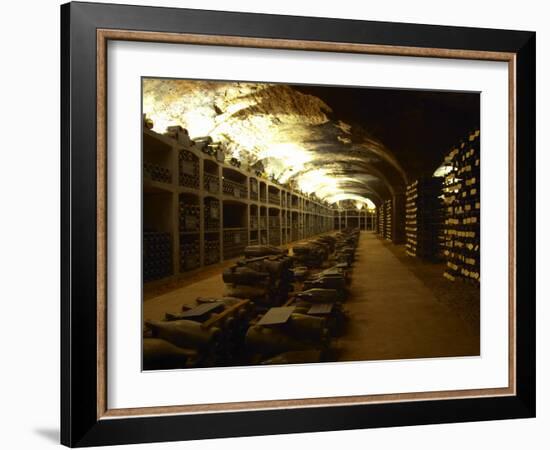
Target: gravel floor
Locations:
point(461, 297)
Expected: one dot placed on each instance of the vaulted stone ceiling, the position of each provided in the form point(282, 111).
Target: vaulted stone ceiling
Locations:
point(333, 142)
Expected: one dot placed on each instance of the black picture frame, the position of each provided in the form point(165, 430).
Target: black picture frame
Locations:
point(80, 425)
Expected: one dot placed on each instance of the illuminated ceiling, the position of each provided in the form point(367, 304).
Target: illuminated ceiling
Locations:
point(296, 135)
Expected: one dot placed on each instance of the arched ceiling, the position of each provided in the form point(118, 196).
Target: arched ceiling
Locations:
point(419, 126)
point(327, 141)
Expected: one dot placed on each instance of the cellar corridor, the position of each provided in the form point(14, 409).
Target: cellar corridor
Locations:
point(293, 224)
point(392, 313)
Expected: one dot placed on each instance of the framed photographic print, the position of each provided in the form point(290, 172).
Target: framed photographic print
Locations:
point(276, 224)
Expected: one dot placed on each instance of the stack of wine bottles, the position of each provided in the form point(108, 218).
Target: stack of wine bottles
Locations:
point(295, 231)
point(274, 198)
point(263, 276)
point(422, 217)
point(253, 222)
point(157, 255)
point(263, 221)
point(254, 237)
point(253, 189)
point(211, 183)
point(382, 219)
point(189, 216)
point(234, 242)
point(388, 210)
point(201, 205)
point(442, 231)
point(188, 169)
point(255, 320)
point(189, 252)
point(211, 248)
point(234, 188)
point(156, 173)
point(274, 230)
point(461, 193)
point(211, 214)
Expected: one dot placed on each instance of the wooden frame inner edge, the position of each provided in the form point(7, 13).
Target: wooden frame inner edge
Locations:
point(104, 35)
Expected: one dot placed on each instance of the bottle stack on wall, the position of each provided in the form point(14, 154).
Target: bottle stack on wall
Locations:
point(382, 219)
point(274, 222)
point(157, 255)
point(422, 218)
point(189, 215)
point(210, 206)
point(461, 196)
point(156, 173)
point(188, 169)
point(388, 210)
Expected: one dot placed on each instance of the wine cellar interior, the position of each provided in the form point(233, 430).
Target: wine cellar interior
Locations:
point(362, 252)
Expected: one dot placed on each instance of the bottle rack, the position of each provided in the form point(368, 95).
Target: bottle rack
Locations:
point(183, 207)
point(254, 191)
point(211, 183)
point(346, 215)
point(382, 219)
point(188, 169)
point(254, 223)
point(274, 227)
point(212, 214)
point(234, 242)
point(234, 188)
point(189, 252)
point(295, 227)
point(211, 248)
point(273, 197)
point(189, 214)
point(155, 172)
point(422, 218)
point(388, 211)
point(157, 255)
point(461, 197)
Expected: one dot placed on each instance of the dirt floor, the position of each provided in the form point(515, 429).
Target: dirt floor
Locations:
point(401, 308)
point(462, 297)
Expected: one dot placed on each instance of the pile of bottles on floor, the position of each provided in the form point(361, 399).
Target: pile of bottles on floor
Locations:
point(278, 307)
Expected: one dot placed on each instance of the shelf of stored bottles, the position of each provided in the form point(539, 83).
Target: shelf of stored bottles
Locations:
point(158, 213)
point(461, 197)
point(422, 217)
point(382, 219)
point(388, 211)
point(364, 219)
point(199, 209)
